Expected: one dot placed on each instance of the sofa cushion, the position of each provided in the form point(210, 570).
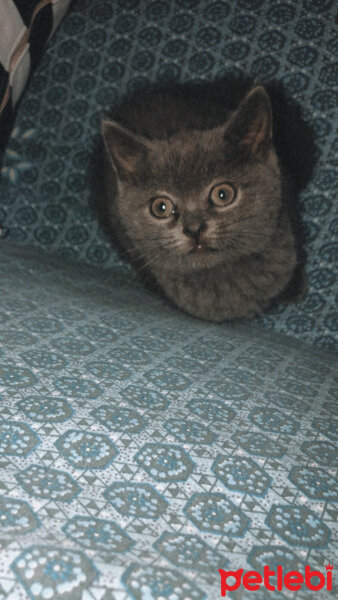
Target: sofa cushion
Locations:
point(142, 450)
point(24, 30)
point(104, 49)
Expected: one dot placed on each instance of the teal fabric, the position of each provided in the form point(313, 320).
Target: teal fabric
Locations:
point(103, 49)
point(142, 450)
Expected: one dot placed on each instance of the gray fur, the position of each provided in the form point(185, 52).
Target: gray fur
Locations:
point(214, 262)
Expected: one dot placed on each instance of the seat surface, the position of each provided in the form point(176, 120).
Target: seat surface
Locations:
point(141, 450)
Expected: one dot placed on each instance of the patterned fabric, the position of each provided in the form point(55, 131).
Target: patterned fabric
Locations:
point(142, 450)
point(24, 29)
point(104, 49)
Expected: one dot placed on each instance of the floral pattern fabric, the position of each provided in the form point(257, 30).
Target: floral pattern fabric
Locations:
point(128, 473)
point(142, 450)
point(105, 48)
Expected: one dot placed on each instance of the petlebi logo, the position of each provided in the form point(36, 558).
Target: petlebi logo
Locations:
point(290, 580)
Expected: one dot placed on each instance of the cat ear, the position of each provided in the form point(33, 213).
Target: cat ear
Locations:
point(125, 149)
point(251, 126)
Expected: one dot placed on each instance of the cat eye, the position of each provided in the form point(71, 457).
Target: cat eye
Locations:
point(162, 207)
point(222, 194)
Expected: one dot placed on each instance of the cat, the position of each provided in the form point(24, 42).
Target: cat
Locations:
point(193, 190)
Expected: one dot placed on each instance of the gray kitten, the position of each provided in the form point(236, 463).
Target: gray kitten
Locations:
point(195, 195)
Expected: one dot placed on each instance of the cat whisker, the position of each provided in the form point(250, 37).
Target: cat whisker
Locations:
point(248, 218)
point(148, 247)
point(148, 262)
point(132, 251)
point(155, 238)
point(157, 251)
point(239, 235)
point(251, 234)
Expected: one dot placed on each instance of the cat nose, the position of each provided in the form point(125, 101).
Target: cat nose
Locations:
point(194, 230)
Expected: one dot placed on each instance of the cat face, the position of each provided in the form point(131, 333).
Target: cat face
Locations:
point(199, 198)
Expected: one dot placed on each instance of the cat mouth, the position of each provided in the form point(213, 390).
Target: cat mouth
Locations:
point(202, 249)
